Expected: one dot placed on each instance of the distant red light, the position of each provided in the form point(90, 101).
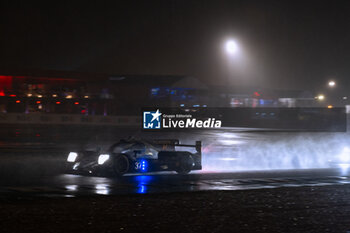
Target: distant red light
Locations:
point(58, 102)
point(2, 93)
point(76, 103)
point(38, 102)
point(12, 95)
point(18, 101)
point(37, 135)
point(256, 93)
point(83, 111)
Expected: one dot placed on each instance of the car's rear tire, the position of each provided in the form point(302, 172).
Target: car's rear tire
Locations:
point(185, 164)
point(121, 164)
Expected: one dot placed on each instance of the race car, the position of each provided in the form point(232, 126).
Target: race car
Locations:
point(136, 156)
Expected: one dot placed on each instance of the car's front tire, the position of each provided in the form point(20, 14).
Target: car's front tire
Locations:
point(121, 164)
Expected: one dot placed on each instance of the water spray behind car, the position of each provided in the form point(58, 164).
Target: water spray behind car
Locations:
point(277, 151)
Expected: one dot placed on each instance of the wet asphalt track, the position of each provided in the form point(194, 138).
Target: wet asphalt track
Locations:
point(25, 180)
point(68, 185)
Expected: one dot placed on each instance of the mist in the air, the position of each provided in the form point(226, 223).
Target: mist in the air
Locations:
point(260, 151)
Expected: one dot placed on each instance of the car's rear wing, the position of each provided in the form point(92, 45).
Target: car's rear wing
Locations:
point(172, 143)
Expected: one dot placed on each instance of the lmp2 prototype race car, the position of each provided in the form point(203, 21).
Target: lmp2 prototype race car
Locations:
point(136, 156)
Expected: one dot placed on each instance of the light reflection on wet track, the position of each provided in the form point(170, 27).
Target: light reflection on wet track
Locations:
point(75, 185)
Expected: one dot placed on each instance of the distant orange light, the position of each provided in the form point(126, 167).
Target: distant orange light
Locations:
point(330, 106)
point(58, 102)
point(76, 103)
point(38, 102)
point(18, 101)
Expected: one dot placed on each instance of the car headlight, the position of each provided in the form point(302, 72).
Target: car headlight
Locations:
point(102, 158)
point(72, 157)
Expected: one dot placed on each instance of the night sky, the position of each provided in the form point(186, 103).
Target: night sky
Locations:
point(283, 44)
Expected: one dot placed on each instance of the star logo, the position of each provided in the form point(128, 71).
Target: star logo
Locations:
point(156, 115)
point(152, 119)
